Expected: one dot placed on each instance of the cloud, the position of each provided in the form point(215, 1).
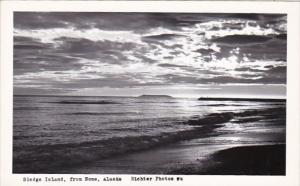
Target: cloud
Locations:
point(170, 65)
point(161, 37)
point(241, 39)
point(32, 55)
point(105, 51)
point(85, 50)
point(29, 43)
point(257, 17)
point(248, 69)
point(139, 22)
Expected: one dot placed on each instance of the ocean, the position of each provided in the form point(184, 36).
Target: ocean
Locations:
point(53, 134)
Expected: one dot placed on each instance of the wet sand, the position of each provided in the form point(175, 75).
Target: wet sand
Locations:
point(251, 160)
point(245, 160)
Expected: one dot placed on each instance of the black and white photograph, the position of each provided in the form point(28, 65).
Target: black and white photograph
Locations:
point(149, 93)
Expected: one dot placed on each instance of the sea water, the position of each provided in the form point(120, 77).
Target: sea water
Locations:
point(74, 130)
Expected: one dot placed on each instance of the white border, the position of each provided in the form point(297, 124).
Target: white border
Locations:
point(293, 94)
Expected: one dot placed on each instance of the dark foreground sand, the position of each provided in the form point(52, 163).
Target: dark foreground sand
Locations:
point(245, 160)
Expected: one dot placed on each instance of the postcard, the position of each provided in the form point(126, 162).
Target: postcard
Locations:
point(132, 92)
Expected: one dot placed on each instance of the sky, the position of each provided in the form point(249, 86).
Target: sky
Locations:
point(129, 54)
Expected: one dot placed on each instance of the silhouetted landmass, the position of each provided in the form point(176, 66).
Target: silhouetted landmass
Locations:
point(242, 99)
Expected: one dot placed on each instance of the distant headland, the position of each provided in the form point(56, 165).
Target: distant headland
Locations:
point(241, 99)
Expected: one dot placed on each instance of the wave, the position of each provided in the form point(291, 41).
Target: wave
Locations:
point(100, 113)
point(155, 102)
point(76, 154)
point(262, 112)
point(69, 155)
point(224, 105)
point(211, 119)
point(247, 119)
point(30, 108)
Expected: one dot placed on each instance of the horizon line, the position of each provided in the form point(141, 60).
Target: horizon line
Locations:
point(135, 96)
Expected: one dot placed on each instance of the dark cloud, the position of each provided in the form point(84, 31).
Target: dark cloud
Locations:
point(137, 22)
point(241, 39)
point(256, 17)
point(171, 65)
point(31, 55)
point(271, 80)
point(106, 51)
point(40, 91)
point(248, 69)
point(233, 26)
point(247, 79)
point(278, 70)
point(275, 75)
point(38, 20)
point(29, 43)
point(82, 45)
point(163, 37)
point(205, 51)
point(112, 81)
point(41, 63)
point(274, 49)
point(35, 56)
